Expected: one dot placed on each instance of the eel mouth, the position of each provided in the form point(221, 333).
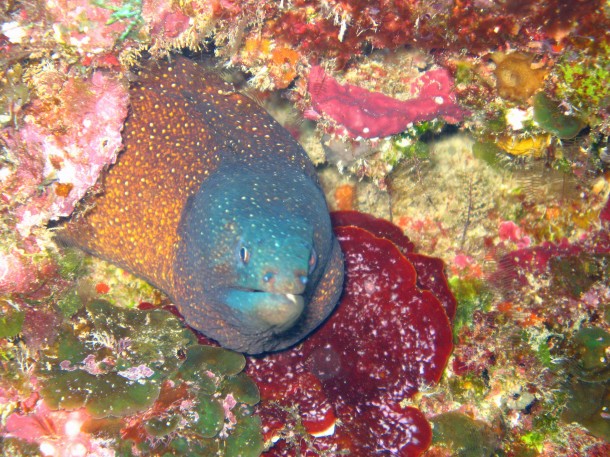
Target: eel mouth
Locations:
point(283, 311)
point(279, 311)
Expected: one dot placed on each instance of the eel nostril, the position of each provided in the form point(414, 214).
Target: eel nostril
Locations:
point(268, 277)
point(302, 277)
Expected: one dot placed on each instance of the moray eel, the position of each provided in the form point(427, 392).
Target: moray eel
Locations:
point(213, 202)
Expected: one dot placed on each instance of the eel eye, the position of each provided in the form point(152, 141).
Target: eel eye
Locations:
point(244, 254)
point(313, 260)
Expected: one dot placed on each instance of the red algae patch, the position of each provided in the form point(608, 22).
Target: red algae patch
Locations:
point(381, 228)
point(386, 339)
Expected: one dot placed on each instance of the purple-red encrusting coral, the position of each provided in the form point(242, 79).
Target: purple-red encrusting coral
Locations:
point(386, 338)
point(562, 269)
point(604, 215)
point(372, 114)
point(430, 270)
point(520, 267)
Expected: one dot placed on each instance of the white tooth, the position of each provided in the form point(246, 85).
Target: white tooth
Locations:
point(292, 298)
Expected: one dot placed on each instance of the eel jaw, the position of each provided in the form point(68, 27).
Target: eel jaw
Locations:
point(272, 312)
point(282, 313)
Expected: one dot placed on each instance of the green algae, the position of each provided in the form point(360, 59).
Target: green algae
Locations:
point(588, 405)
point(220, 361)
point(466, 437)
point(576, 274)
point(588, 386)
point(71, 263)
point(489, 153)
point(242, 388)
point(70, 303)
point(469, 387)
point(583, 82)
point(159, 427)
point(472, 295)
point(98, 384)
point(591, 347)
point(146, 367)
point(11, 321)
point(543, 354)
point(246, 440)
point(551, 119)
point(211, 417)
point(14, 94)
point(129, 13)
point(412, 143)
point(102, 396)
point(152, 335)
point(114, 366)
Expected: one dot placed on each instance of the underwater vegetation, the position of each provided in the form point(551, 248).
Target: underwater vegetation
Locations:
point(516, 205)
point(133, 382)
point(138, 382)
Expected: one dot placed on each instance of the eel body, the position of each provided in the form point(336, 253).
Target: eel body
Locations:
point(216, 204)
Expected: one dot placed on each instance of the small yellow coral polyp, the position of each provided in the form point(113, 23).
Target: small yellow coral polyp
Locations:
point(533, 146)
point(280, 62)
point(257, 45)
point(517, 78)
point(284, 62)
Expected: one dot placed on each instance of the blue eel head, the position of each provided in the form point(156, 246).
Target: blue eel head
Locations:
point(258, 267)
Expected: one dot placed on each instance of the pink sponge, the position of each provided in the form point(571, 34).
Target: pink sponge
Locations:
point(372, 114)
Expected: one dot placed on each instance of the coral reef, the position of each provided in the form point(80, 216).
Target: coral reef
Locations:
point(70, 132)
point(134, 380)
point(516, 77)
point(516, 205)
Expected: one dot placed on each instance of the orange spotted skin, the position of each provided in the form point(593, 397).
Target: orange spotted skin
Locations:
point(184, 122)
point(123, 226)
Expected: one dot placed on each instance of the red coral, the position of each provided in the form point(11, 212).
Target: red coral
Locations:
point(386, 338)
point(344, 29)
point(372, 114)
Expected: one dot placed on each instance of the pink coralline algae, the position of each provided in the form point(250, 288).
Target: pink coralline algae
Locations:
point(509, 231)
point(565, 273)
point(389, 336)
point(369, 114)
point(165, 22)
point(90, 27)
point(63, 144)
point(57, 433)
point(25, 269)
